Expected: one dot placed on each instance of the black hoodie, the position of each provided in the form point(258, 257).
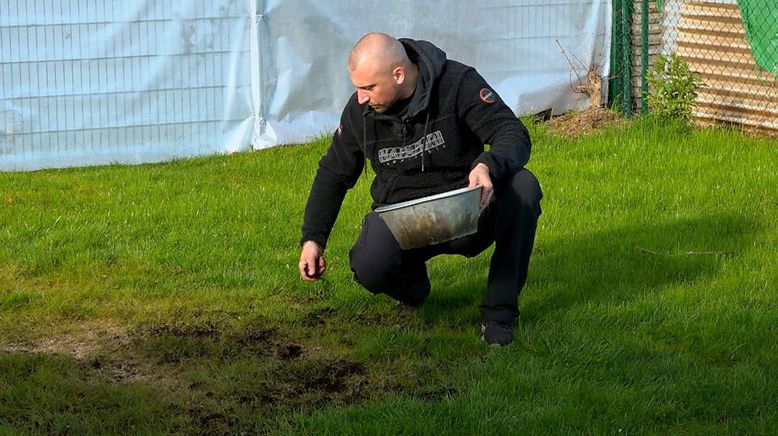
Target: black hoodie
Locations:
point(430, 150)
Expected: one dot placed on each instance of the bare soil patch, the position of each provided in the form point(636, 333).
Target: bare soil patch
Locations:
point(285, 373)
point(80, 344)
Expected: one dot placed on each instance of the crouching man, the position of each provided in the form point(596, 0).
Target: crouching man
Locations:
point(422, 121)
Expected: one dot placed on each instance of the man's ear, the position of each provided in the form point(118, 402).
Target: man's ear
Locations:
point(399, 75)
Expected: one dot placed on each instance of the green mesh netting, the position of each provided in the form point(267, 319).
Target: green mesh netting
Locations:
point(760, 18)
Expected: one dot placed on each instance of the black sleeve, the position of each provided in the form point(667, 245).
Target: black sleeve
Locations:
point(339, 170)
point(495, 124)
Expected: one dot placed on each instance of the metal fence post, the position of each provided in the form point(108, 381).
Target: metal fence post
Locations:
point(614, 82)
point(626, 57)
point(644, 57)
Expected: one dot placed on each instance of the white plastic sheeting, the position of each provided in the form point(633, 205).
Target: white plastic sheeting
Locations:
point(88, 82)
point(93, 82)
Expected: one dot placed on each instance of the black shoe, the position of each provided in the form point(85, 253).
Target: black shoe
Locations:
point(496, 333)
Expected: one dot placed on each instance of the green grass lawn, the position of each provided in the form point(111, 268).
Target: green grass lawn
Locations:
point(166, 298)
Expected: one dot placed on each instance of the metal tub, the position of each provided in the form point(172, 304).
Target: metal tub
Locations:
point(433, 219)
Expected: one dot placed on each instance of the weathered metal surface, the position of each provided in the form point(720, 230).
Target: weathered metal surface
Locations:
point(435, 219)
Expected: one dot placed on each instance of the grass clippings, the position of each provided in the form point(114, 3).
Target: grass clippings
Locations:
point(573, 124)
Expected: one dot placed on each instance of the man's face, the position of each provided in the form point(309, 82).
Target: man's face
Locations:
point(376, 87)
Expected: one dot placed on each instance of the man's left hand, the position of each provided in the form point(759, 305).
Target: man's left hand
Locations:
point(479, 176)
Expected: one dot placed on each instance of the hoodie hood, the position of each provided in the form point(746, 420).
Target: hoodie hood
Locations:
point(431, 61)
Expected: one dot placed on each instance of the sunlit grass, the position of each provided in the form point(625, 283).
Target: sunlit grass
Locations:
point(165, 298)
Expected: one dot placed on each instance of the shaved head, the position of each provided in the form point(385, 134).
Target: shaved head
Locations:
point(379, 50)
point(381, 71)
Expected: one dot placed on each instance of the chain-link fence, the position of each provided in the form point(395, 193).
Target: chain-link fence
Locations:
point(731, 44)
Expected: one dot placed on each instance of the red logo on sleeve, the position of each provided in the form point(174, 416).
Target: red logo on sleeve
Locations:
point(487, 95)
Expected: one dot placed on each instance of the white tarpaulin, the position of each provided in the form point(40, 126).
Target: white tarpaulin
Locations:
point(89, 82)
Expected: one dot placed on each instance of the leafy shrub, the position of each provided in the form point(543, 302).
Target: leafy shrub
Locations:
point(672, 88)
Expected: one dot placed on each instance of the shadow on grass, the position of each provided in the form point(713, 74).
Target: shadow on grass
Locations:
point(614, 265)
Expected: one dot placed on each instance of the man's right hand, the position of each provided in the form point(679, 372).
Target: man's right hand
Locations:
point(312, 264)
point(480, 176)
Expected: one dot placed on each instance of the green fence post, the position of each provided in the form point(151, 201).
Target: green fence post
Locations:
point(614, 82)
point(644, 57)
point(626, 57)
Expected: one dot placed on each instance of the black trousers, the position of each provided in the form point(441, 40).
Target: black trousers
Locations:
point(510, 221)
